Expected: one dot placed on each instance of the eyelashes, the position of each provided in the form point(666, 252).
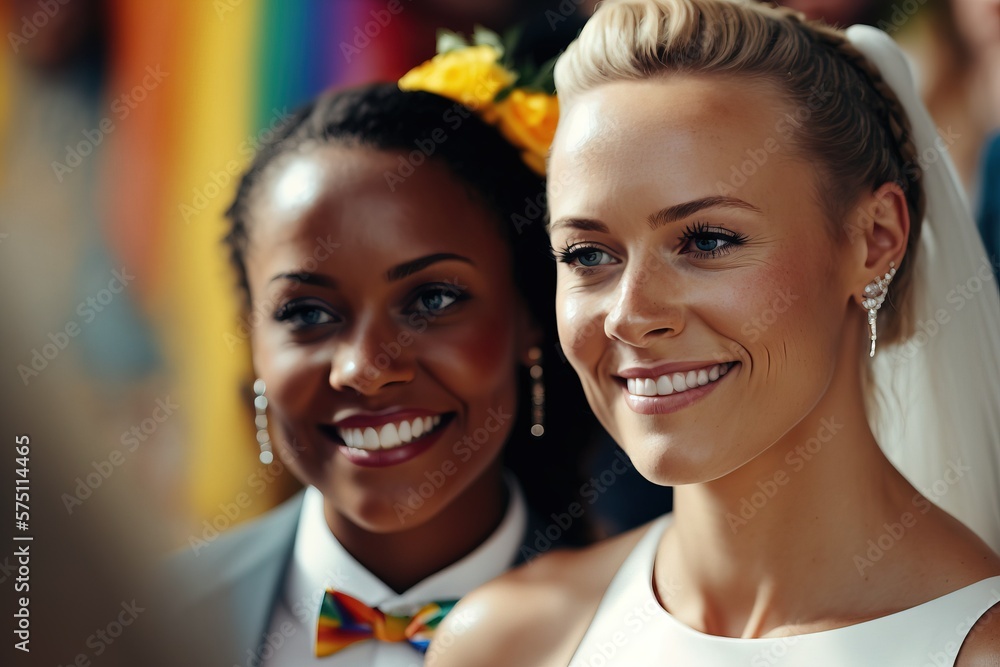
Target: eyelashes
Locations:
point(581, 253)
point(707, 240)
point(430, 301)
point(300, 315)
point(700, 240)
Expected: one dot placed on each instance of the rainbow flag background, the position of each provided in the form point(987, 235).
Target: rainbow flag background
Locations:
point(235, 70)
point(186, 90)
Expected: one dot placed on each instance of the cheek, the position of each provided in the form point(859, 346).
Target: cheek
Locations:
point(581, 329)
point(781, 314)
point(291, 373)
point(473, 361)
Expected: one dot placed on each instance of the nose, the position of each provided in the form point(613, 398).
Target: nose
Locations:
point(645, 307)
point(372, 357)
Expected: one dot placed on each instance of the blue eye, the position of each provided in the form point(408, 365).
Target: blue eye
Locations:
point(438, 298)
point(300, 316)
point(586, 257)
point(706, 243)
point(591, 257)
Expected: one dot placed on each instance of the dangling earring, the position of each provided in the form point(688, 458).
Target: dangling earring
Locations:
point(537, 392)
point(875, 292)
point(263, 438)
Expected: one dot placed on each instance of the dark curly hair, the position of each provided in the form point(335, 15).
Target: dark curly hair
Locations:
point(385, 118)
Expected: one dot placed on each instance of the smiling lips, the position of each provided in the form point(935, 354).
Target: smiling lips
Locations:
point(676, 383)
point(389, 435)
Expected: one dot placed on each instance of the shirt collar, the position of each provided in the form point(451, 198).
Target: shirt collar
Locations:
point(319, 562)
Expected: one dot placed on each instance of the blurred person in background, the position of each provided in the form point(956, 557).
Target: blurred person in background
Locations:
point(978, 23)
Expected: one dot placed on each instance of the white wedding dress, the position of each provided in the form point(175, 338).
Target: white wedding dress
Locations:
point(631, 629)
point(936, 408)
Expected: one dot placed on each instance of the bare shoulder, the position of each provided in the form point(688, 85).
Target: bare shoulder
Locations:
point(982, 645)
point(533, 615)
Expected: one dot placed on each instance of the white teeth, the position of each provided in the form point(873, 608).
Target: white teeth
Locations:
point(676, 383)
point(389, 435)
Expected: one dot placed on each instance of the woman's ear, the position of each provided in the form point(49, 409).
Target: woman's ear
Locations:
point(878, 233)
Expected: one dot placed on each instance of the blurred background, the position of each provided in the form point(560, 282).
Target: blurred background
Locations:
point(124, 125)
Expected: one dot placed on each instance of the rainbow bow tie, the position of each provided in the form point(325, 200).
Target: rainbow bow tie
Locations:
point(344, 620)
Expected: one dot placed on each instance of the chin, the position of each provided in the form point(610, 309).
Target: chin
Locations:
point(672, 461)
point(382, 516)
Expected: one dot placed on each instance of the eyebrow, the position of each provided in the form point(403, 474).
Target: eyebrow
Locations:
point(307, 278)
point(663, 216)
point(680, 211)
point(409, 268)
point(395, 273)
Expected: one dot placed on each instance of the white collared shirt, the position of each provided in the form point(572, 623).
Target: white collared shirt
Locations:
point(319, 562)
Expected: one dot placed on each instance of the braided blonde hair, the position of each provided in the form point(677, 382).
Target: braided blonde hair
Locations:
point(860, 136)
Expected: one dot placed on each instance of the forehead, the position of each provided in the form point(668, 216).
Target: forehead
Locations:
point(690, 132)
point(361, 196)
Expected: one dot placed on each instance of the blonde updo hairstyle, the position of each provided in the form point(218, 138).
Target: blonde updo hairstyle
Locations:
point(859, 138)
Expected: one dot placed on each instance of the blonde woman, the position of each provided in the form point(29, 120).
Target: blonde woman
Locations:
point(775, 299)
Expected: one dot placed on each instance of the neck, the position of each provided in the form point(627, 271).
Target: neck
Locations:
point(454, 532)
point(774, 542)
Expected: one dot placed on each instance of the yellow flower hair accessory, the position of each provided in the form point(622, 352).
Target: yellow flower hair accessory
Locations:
point(475, 76)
